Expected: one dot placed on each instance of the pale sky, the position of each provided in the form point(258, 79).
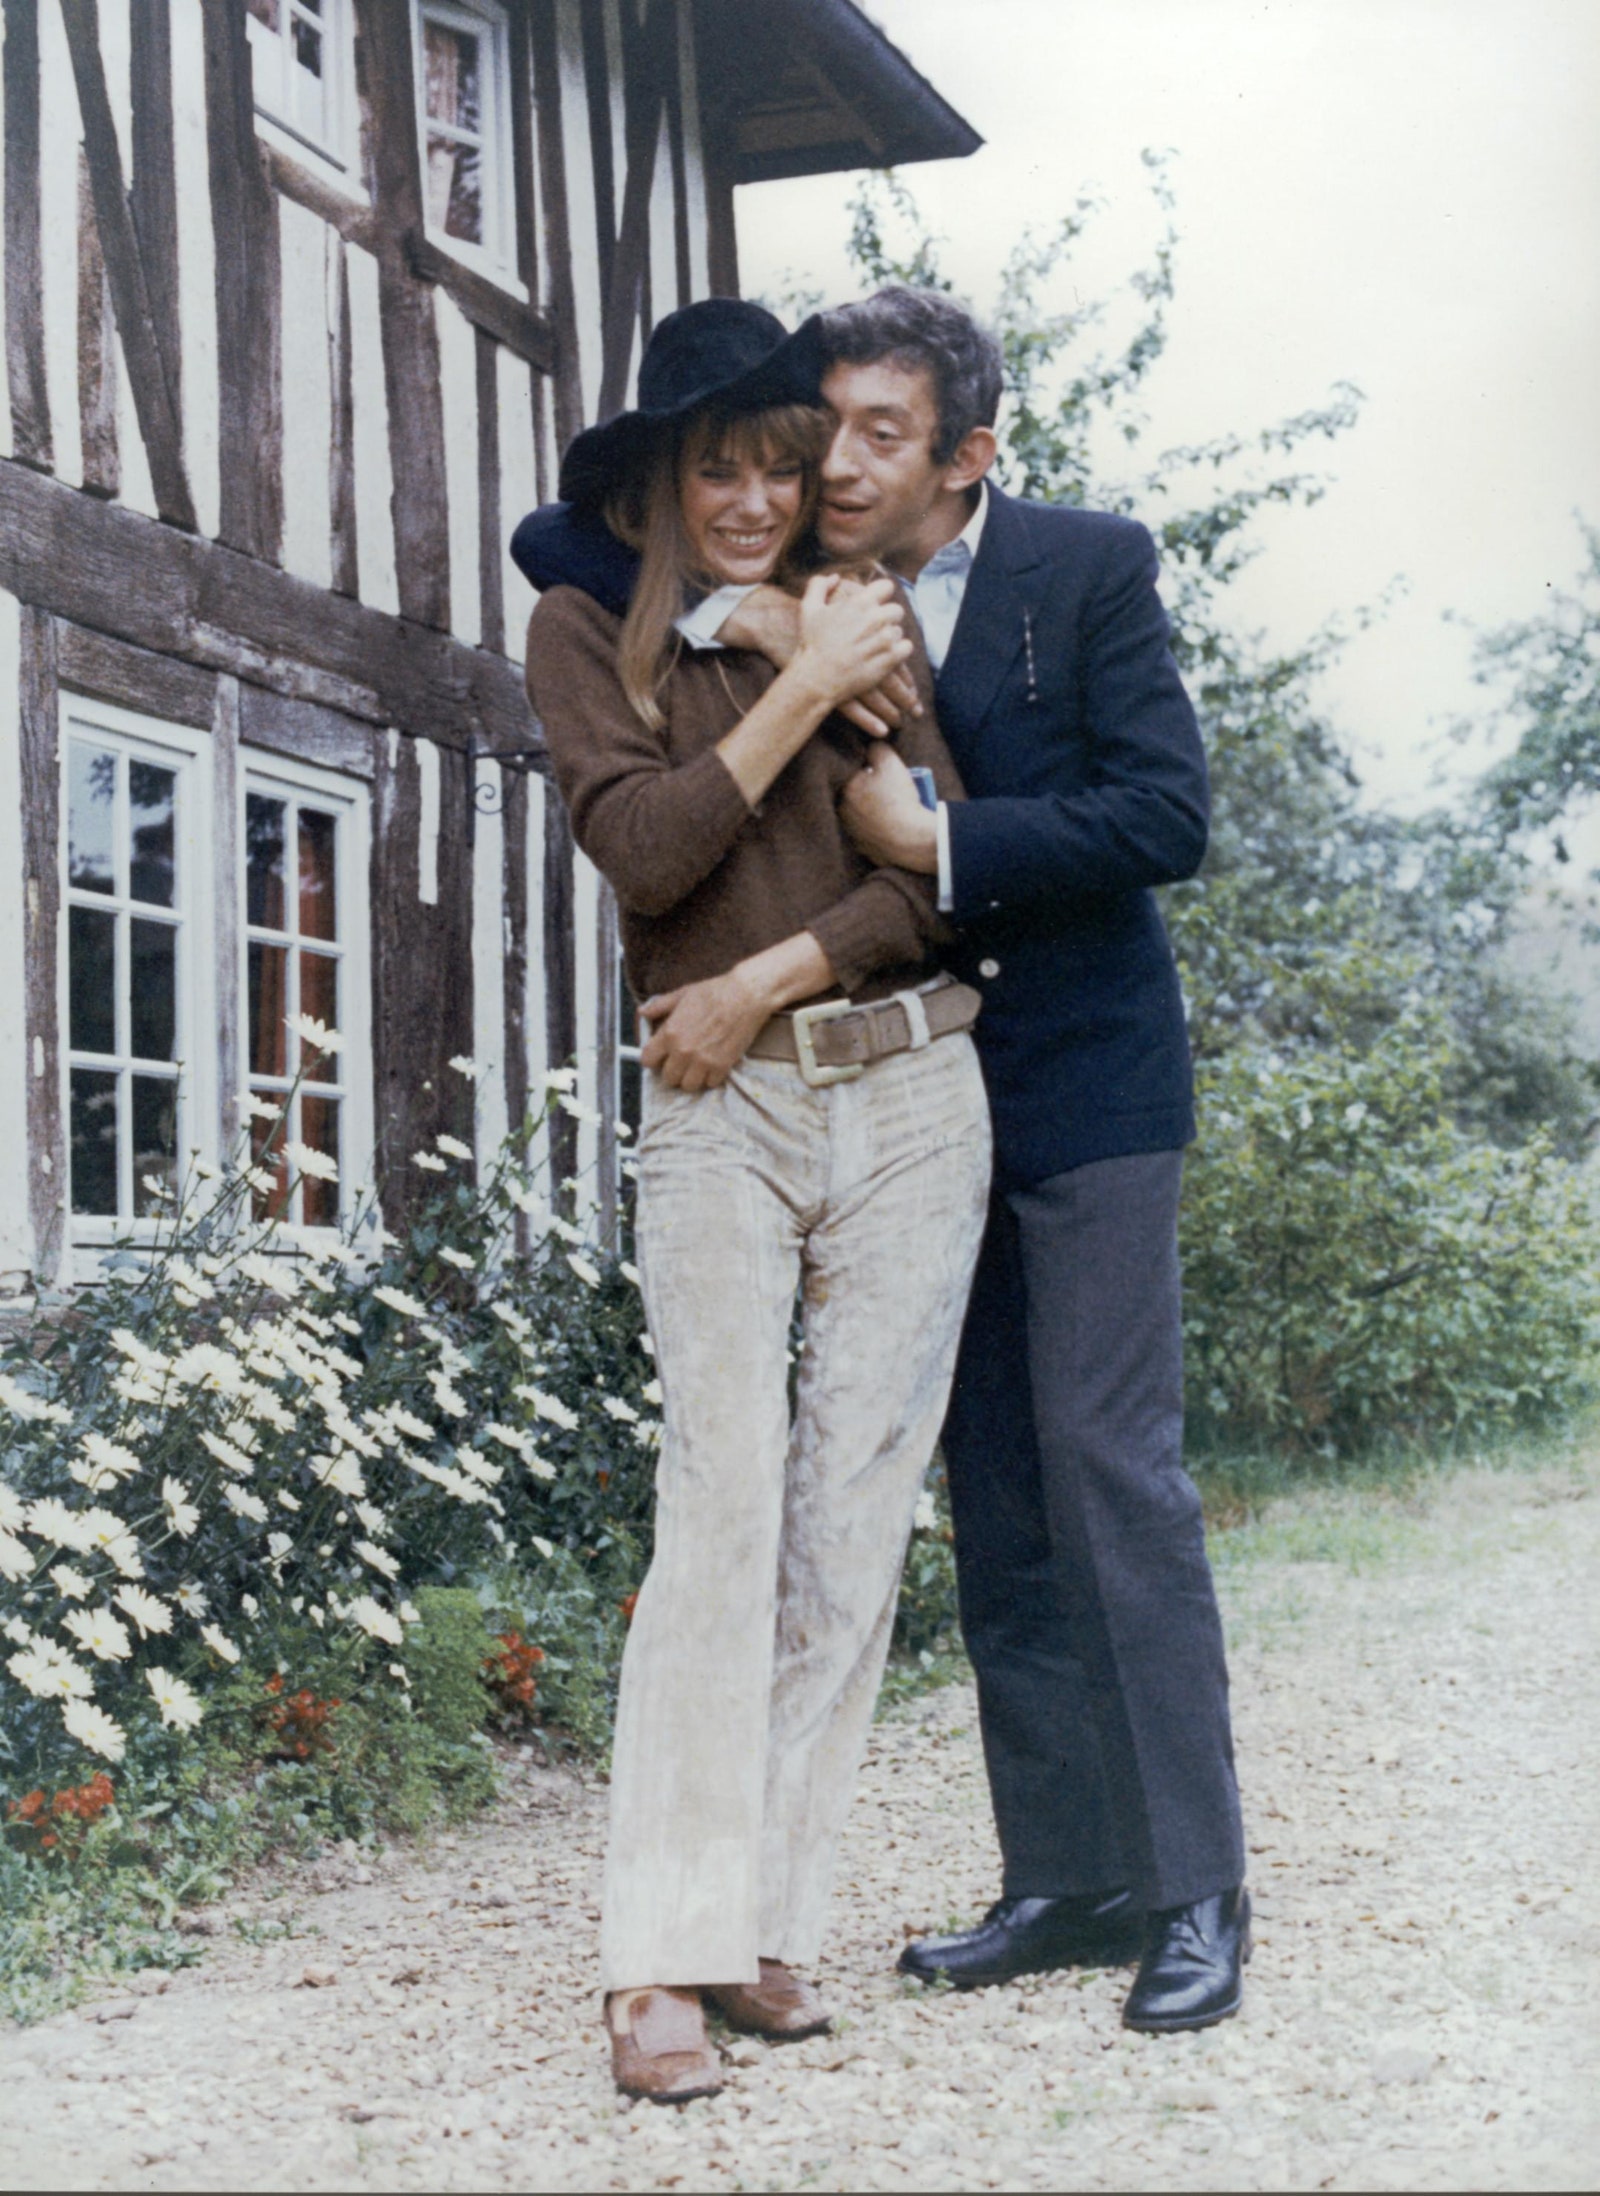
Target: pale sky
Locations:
point(1400, 193)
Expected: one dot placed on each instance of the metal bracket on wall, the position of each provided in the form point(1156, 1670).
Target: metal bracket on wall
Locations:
point(489, 798)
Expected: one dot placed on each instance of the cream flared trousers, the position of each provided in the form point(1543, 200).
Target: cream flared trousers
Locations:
point(760, 1633)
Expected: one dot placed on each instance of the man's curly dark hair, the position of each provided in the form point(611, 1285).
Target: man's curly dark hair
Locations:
point(925, 328)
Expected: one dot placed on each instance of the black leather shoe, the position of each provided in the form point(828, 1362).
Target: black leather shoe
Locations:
point(1028, 1937)
point(1192, 1973)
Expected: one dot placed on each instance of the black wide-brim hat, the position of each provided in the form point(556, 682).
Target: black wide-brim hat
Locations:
point(720, 353)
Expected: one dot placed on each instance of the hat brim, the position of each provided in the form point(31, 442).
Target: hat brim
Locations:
point(599, 460)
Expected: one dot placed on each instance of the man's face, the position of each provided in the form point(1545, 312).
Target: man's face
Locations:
point(879, 480)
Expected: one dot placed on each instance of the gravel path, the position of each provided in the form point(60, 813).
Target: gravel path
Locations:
point(1416, 1698)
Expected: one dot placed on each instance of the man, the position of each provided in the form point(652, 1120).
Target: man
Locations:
point(1086, 1598)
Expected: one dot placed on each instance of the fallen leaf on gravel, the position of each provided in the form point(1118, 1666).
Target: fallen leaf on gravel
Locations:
point(122, 2012)
point(318, 1978)
point(407, 1975)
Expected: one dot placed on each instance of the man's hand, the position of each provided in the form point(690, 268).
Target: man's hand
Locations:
point(884, 816)
point(768, 622)
point(702, 1031)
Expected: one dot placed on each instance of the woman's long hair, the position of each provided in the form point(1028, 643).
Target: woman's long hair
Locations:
point(645, 513)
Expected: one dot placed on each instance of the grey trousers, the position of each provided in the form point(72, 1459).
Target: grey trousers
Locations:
point(1086, 1597)
point(760, 1632)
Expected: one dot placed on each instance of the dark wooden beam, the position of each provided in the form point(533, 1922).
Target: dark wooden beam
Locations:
point(421, 973)
point(654, 52)
point(683, 265)
point(520, 327)
point(346, 572)
point(153, 193)
point(521, 63)
point(117, 572)
point(40, 757)
point(602, 154)
point(405, 312)
point(550, 140)
point(155, 401)
point(491, 552)
point(97, 352)
point(133, 678)
point(355, 222)
point(560, 978)
point(30, 396)
point(249, 294)
point(514, 976)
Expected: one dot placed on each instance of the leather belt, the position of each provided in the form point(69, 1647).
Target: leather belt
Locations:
point(834, 1040)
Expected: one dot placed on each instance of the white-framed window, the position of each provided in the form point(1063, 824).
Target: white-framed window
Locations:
point(463, 71)
point(137, 975)
point(307, 952)
point(302, 65)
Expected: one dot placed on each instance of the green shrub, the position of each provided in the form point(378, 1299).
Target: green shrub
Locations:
point(443, 1659)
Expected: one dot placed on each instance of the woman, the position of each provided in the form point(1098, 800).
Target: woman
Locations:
point(813, 1119)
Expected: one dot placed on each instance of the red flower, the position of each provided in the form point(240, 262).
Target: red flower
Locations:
point(627, 1605)
point(508, 1673)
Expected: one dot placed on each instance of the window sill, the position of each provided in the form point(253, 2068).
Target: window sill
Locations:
point(510, 319)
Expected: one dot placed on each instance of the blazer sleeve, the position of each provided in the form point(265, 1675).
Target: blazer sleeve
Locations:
point(653, 828)
point(1142, 818)
point(559, 546)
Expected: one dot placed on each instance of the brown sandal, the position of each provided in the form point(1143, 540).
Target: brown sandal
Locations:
point(781, 2006)
point(664, 2053)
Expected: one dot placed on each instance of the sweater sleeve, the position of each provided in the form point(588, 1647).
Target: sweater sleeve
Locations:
point(654, 829)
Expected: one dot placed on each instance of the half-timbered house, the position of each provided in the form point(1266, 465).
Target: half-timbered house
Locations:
point(302, 299)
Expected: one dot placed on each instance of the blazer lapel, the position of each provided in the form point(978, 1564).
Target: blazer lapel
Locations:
point(989, 631)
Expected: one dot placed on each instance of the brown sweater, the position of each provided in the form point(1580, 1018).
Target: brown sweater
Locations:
point(701, 879)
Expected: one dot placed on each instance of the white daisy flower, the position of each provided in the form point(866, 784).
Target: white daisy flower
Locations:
point(50, 1673)
point(463, 1261)
point(376, 1620)
point(316, 1034)
point(23, 1403)
point(16, 1559)
point(345, 1324)
point(226, 1453)
point(511, 1318)
point(278, 1546)
point(204, 1365)
point(374, 1519)
point(539, 1466)
point(453, 1146)
point(545, 1547)
point(567, 1232)
point(70, 1584)
point(13, 1510)
point(560, 1078)
point(471, 1069)
point(108, 1534)
point(190, 1599)
point(147, 1611)
point(449, 1400)
point(19, 1634)
point(98, 1633)
point(93, 1728)
point(270, 1273)
point(405, 1422)
point(306, 1159)
point(629, 1271)
point(397, 1300)
point(429, 1162)
point(409, 1613)
point(341, 1472)
point(582, 1268)
point(651, 1391)
point(179, 1707)
point(182, 1515)
point(219, 1643)
point(578, 1110)
point(479, 1466)
point(244, 1504)
point(286, 1501)
point(249, 1604)
point(623, 1413)
point(253, 1107)
point(378, 1559)
point(549, 1407)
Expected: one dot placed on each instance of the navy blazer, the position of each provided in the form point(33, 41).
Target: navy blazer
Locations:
point(1086, 785)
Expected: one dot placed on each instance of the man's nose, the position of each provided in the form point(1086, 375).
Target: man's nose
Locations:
point(839, 465)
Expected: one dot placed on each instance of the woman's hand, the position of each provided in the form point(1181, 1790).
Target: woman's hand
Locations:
point(852, 637)
point(768, 621)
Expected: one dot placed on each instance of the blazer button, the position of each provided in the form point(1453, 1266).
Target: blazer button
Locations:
point(988, 968)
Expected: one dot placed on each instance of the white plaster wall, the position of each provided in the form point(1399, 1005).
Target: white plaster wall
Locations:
point(304, 242)
point(374, 478)
point(458, 389)
point(488, 964)
point(580, 203)
point(519, 490)
point(16, 1237)
point(694, 159)
point(197, 295)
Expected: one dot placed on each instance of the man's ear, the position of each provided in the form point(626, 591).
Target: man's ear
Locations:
point(974, 454)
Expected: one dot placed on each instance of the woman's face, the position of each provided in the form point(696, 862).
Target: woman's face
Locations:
point(739, 513)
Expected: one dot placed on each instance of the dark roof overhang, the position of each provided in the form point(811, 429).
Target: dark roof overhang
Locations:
point(813, 87)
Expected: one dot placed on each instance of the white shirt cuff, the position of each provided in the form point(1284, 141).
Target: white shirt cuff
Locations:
point(700, 625)
point(947, 890)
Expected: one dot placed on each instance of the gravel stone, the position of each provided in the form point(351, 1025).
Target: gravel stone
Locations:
point(1413, 1700)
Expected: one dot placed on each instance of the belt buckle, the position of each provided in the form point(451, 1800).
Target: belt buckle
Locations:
point(814, 1072)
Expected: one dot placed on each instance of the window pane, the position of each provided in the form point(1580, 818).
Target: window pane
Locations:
point(91, 804)
point(94, 1141)
point(269, 1002)
point(319, 995)
point(153, 984)
point(318, 914)
point(264, 830)
point(455, 91)
point(91, 979)
point(264, 11)
point(455, 189)
point(319, 1127)
point(155, 1139)
point(307, 46)
point(269, 1204)
point(151, 797)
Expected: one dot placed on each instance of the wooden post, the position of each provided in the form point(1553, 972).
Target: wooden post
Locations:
point(30, 400)
point(49, 1179)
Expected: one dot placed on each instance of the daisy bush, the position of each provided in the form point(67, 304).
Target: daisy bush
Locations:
point(241, 1458)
